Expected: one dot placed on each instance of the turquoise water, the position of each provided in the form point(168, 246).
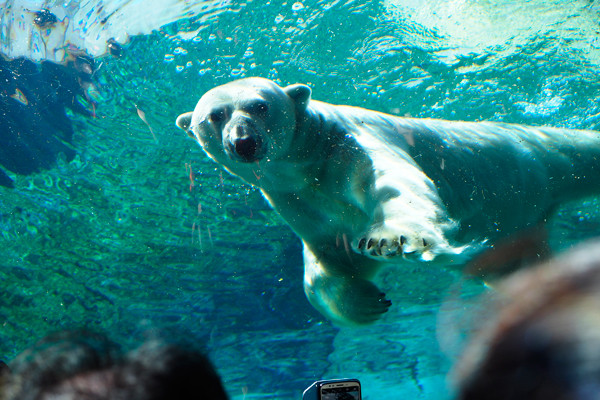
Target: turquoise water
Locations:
point(125, 240)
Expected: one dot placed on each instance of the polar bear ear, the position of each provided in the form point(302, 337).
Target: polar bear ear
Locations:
point(184, 121)
point(299, 93)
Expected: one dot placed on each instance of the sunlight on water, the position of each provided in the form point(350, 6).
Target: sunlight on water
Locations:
point(458, 28)
point(90, 25)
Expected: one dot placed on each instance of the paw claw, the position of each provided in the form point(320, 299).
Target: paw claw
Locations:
point(361, 243)
point(376, 246)
point(370, 243)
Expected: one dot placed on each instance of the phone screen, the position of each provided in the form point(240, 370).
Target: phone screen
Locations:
point(345, 391)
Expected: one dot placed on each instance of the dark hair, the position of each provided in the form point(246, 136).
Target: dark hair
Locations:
point(160, 372)
point(541, 336)
point(87, 366)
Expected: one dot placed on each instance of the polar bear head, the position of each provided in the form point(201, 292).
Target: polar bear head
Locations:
point(246, 122)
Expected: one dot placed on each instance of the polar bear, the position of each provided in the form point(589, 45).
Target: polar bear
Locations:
point(362, 188)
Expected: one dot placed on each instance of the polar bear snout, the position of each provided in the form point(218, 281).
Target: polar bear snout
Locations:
point(245, 148)
point(243, 143)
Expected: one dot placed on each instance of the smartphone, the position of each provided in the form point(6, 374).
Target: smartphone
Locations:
point(335, 389)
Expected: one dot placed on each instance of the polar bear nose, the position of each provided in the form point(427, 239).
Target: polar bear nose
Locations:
point(243, 142)
point(245, 148)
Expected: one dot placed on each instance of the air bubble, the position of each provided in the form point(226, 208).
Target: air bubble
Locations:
point(169, 58)
point(297, 6)
point(212, 36)
point(197, 39)
point(278, 19)
point(180, 50)
point(179, 68)
point(248, 53)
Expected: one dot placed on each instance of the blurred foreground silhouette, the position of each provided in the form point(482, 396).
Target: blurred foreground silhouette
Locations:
point(84, 365)
point(541, 338)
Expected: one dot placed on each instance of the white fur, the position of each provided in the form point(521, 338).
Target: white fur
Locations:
point(362, 188)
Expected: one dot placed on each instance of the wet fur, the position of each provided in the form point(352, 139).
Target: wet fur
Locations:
point(362, 188)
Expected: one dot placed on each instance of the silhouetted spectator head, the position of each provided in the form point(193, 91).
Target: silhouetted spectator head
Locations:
point(86, 366)
point(542, 341)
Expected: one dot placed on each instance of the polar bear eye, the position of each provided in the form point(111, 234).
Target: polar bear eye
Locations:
point(258, 108)
point(216, 116)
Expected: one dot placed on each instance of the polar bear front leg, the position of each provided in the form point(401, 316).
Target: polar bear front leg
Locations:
point(409, 220)
point(346, 300)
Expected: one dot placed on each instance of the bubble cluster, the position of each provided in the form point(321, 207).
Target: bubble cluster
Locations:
point(180, 50)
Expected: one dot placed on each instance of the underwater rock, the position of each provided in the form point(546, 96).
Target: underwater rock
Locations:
point(34, 127)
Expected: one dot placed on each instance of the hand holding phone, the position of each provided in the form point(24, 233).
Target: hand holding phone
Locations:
point(335, 389)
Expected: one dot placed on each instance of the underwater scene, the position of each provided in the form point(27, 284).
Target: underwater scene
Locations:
point(112, 219)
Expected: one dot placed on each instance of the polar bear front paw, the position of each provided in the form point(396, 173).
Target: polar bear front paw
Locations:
point(376, 245)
